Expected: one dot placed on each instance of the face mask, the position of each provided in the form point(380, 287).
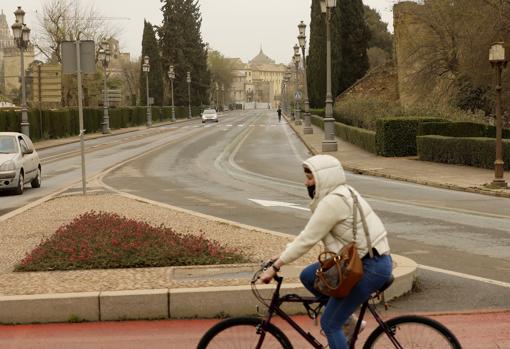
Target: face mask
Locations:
point(311, 191)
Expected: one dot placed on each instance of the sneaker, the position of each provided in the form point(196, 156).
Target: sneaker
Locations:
point(350, 326)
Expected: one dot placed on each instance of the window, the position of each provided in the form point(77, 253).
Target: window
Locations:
point(23, 145)
point(8, 145)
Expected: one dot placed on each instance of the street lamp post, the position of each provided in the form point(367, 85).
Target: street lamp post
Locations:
point(329, 143)
point(146, 68)
point(222, 97)
point(22, 38)
point(297, 96)
point(188, 80)
point(171, 76)
point(104, 58)
point(302, 43)
point(498, 60)
point(288, 76)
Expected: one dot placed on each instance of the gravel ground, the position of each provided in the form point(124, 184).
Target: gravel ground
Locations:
point(20, 234)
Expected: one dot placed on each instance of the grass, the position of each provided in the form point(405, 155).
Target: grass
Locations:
point(100, 240)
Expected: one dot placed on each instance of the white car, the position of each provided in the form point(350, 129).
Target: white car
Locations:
point(209, 115)
point(19, 162)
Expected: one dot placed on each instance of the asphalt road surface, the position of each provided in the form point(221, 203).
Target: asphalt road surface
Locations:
point(461, 240)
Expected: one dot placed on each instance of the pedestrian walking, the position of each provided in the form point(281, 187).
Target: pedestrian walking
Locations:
point(332, 222)
point(279, 111)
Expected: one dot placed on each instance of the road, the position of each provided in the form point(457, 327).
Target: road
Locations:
point(253, 157)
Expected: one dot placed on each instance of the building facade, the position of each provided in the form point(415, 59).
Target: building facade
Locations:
point(10, 62)
point(258, 81)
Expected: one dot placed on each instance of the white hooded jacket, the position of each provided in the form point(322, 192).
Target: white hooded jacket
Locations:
point(332, 214)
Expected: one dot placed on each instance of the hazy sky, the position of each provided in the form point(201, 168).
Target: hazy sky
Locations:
point(237, 28)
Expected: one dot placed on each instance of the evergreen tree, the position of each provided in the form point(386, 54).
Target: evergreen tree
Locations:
point(150, 48)
point(354, 37)
point(316, 60)
point(182, 46)
point(349, 40)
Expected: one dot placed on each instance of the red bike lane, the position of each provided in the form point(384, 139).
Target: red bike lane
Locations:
point(482, 330)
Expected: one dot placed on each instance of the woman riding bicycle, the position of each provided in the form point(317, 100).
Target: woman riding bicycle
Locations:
point(332, 223)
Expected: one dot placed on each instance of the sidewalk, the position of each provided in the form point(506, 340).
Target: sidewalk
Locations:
point(409, 169)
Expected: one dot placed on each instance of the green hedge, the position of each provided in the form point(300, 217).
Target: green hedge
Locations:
point(397, 136)
point(317, 121)
point(318, 112)
point(459, 129)
point(358, 136)
point(60, 123)
point(470, 151)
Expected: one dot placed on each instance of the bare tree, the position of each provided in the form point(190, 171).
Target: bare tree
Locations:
point(63, 20)
point(447, 44)
point(131, 78)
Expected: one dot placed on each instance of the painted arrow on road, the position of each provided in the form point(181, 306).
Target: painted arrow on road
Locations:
point(267, 203)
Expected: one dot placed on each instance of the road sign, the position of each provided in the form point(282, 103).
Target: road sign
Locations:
point(87, 57)
point(114, 96)
point(297, 95)
point(46, 83)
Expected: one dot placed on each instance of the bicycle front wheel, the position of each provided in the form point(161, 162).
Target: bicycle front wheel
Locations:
point(413, 332)
point(242, 333)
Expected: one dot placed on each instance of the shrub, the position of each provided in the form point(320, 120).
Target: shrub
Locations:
point(317, 121)
point(452, 129)
point(478, 152)
point(107, 240)
point(459, 129)
point(318, 112)
point(362, 138)
point(397, 136)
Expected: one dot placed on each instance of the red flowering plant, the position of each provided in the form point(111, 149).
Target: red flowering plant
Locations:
point(100, 240)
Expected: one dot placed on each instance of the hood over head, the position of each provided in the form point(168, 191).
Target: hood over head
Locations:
point(328, 173)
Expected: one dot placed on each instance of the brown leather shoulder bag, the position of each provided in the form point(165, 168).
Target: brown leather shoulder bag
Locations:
point(340, 272)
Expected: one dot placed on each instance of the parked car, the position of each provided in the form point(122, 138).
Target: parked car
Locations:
point(19, 162)
point(209, 115)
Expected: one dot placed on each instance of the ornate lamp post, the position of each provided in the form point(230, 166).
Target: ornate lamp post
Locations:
point(498, 60)
point(146, 68)
point(188, 80)
point(302, 43)
point(297, 96)
point(329, 143)
point(22, 38)
point(171, 76)
point(104, 57)
point(288, 75)
point(222, 97)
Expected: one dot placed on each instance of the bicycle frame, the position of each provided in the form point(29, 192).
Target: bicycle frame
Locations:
point(277, 301)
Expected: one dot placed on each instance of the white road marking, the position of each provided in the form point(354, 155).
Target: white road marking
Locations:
point(267, 203)
point(229, 125)
point(465, 276)
point(240, 125)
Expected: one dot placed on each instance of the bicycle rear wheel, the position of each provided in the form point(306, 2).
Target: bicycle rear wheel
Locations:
point(413, 332)
point(242, 333)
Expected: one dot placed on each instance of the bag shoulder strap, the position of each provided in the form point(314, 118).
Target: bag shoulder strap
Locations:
point(356, 207)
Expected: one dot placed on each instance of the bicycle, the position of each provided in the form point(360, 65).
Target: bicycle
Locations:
point(402, 332)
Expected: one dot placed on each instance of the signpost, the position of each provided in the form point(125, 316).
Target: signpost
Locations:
point(79, 57)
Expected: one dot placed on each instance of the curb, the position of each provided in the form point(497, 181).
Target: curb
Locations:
point(176, 303)
point(361, 171)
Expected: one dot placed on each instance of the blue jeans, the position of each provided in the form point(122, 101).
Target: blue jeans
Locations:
point(377, 271)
